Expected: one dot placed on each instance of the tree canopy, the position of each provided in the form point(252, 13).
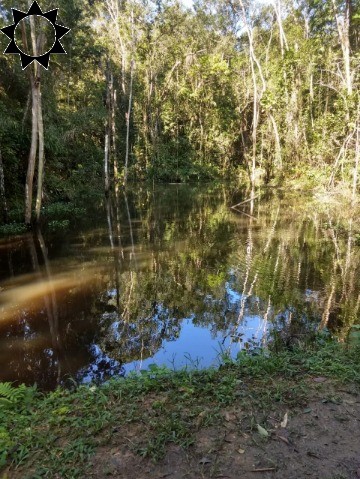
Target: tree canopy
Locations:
point(156, 91)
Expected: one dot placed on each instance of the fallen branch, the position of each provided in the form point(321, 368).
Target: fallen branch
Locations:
point(243, 212)
point(246, 201)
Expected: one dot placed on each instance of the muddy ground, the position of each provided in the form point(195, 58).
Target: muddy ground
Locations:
point(319, 439)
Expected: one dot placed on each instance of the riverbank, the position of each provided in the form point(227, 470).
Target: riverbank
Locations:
point(289, 414)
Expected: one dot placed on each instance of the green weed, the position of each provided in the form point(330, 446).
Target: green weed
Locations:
point(56, 433)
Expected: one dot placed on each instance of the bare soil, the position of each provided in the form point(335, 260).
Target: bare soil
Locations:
point(320, 440)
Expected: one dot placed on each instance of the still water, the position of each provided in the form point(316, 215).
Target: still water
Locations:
point(174, 276)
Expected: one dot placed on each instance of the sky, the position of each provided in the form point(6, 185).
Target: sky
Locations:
point(187, 3)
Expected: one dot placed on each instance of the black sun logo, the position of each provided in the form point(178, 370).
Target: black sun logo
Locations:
point(43, 59)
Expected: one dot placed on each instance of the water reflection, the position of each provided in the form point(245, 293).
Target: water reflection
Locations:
point(173, 275)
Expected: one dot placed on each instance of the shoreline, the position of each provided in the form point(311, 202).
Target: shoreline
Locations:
point(139, 421)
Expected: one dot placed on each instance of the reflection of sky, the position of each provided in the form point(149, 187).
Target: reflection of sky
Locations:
point(187, 315)
point(197, 346)
point(234, 296)
point(101, 368)
point(194, 347)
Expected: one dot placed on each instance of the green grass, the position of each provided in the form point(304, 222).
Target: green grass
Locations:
point(57, 433)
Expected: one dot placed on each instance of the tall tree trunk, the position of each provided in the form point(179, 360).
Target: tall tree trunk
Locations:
point(113, 128)
point(343, 27)
point(258, 92)
point(2, 191)
point(311, 94)
point(41, 159)
point(357, 161)
point(37, 129)
point(33, 151)
point(110, 130)
point(128, 113)
point(106, 159)
point(283, 40)
point(277, 142)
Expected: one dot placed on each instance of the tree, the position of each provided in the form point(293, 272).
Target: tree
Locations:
point(38, 38)
point(2, 191)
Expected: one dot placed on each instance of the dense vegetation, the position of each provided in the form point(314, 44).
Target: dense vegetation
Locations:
point(152, 90)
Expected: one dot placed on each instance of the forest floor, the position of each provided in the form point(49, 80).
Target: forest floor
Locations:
point(319, 438)
point(290, 414)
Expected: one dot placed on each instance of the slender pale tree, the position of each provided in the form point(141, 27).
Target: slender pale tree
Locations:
point(343, 28)
point(2, 191)
point(37, 128)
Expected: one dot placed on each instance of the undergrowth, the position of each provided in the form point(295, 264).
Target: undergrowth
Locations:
point(55, 434)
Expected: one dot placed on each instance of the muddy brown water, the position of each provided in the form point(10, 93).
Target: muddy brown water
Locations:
point(173, 276)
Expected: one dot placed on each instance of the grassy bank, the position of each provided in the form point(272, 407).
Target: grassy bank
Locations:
point(56, 434)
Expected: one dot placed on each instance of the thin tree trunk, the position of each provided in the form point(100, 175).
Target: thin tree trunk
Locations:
point(110, 222)
point(41, 159)
point(106, 160)
point(357, 160)
point(128, 113)
point(255, 125)
point(107, 145)
point(128, 123)
point(277, 142)
point(283, 41)
point(311, 95)
point(343, 26)
point(114, 12)
point(38, 44)
point(257, 94)
point(113, 128)
point(37, 129)
point(2, 191)
point(33, 151)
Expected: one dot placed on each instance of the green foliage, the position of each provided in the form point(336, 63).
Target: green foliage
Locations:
point(60, 211)
point(58, 225)
point(8, 394)
point(354, 336)
point(192, 96)
point(12, 229)
point(11, 397)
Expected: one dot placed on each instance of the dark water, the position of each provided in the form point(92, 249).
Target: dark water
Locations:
point(172, 275)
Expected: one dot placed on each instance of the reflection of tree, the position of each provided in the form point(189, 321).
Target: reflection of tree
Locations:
point(52, 308)
point(43, 329)
point(24, 326)
point(309, 272)
point(158, 290)
point(165, 254)
point(276, 259)
point(342, 290)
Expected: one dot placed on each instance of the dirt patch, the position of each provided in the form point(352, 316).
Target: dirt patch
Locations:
point(319, 440)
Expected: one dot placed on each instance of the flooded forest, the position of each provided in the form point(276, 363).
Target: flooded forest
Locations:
point(179, 186)
point(171, 275)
